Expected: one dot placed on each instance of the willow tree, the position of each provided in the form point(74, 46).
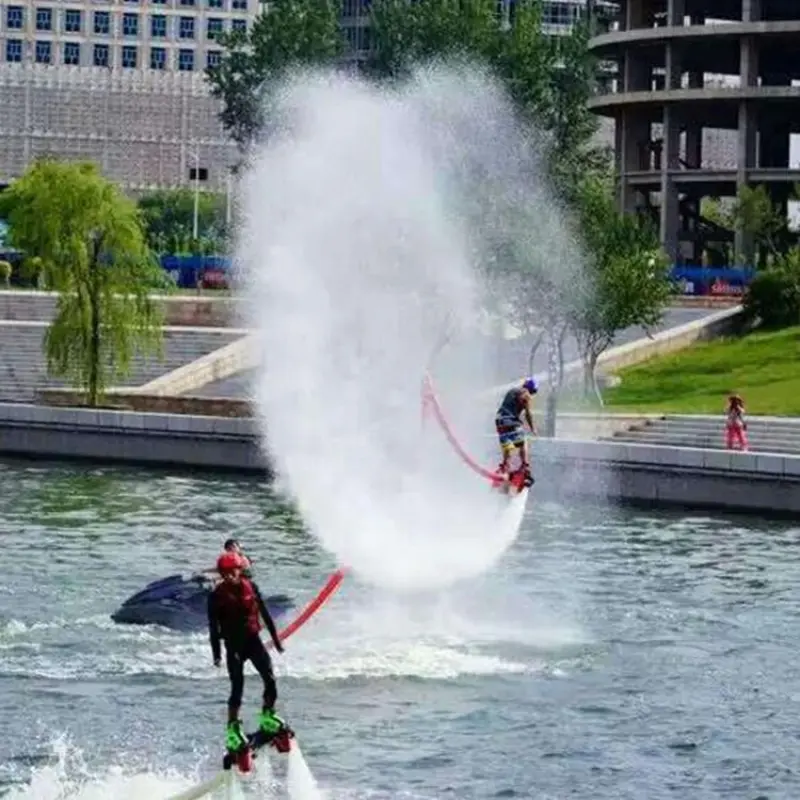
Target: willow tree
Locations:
point(89, 240)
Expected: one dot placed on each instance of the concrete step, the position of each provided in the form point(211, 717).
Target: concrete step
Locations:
point(768, 445)
point(753, 420)
point(23, 365)
point(712, 430)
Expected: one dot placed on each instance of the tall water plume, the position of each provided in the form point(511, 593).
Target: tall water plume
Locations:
point(368, 221)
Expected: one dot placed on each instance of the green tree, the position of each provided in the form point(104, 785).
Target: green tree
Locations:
point(548, 78)
point(626, 275)
point(168, 217)
point(405, 34)
point(89, 239)
point(286, 34)
point(759, 218)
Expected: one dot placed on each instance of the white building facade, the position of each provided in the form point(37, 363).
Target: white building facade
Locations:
point(120, 82)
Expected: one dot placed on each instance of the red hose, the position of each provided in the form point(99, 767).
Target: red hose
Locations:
point(430, 401)
point(316, 603)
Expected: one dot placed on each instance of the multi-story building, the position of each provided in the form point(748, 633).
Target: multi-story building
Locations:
point(122, 82)
point(704, 104)
point(119, 81)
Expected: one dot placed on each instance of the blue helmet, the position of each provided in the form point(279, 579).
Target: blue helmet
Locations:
point(531, 385)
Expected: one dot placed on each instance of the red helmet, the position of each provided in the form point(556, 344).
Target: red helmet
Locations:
point(228, 562)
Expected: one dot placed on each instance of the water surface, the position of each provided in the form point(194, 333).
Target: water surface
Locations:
point(611, 654)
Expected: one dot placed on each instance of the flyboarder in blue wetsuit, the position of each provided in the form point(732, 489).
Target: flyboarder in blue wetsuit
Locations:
point(508, 424)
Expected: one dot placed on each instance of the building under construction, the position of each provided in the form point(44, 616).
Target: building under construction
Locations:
point(687, 68)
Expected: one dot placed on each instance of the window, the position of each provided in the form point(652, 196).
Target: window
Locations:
point(15, 18)
point(158, 2)
point(129, 56)
point(72, 54)
point(213, 57)
point(215, 3)
point(239, 5)
point(158, 58)
point(44, 52)
point(158, 26)
point(186, 29)
point(72, 21)
point(239, 25)
point(130, 24)
point(185, 60)
point(14, 50)
point(101, 55)
point(102, 22)
point(187, 2)
point(44, 19)
point(214, 28)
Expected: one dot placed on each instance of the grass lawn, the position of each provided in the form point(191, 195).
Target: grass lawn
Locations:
point(763, 367)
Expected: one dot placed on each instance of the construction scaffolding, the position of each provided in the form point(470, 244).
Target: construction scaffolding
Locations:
point(144, 128)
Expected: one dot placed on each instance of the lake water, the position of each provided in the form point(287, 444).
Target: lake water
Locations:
point(611, 654)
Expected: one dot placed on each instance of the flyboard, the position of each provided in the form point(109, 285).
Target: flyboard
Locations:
point(514, 484)
point(281, 741)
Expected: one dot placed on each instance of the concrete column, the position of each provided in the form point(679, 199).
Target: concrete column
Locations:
point(676, 11)
point(748, 62)
point(694, 131)
point(636, 74)
point(632, 135)
point(745, 160)
point(638, 14)
point(622, 16)
point(670, 217)
point(751, 10)
point(673, 71)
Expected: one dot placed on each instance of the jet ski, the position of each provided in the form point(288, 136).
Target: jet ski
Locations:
point(179, 603)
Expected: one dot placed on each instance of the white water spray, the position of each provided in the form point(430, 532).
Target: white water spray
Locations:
point(300, 783)
point(366, 219)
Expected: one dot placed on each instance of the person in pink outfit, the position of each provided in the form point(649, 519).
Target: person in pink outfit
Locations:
point(735, 426)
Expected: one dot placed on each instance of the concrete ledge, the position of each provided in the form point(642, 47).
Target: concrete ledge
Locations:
point(689, 477)
point(181, 310)
point(222, 363)
point(130, 437)
point(668, 476)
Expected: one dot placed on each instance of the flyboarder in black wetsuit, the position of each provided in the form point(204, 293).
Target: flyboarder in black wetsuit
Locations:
point(234, 606)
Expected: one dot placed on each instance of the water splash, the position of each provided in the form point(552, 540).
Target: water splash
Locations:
point(68, 778)
point(368, 218)
point(300, 783)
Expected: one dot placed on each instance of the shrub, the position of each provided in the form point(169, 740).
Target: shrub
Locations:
point(773, 299)
point(5, 273)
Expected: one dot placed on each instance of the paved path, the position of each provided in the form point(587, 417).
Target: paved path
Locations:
point(510, 361)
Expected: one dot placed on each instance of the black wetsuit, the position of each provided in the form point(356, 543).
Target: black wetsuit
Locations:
point(233, 615)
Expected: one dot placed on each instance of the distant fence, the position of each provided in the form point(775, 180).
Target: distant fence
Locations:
point(189, 272)
point(714, 281)
point(213, 272)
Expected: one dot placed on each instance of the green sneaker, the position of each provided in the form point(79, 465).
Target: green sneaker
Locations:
point(269, 722)
point(235, 738)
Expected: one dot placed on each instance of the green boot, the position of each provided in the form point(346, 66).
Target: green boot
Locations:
point(269, 722)
point(235, 738)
